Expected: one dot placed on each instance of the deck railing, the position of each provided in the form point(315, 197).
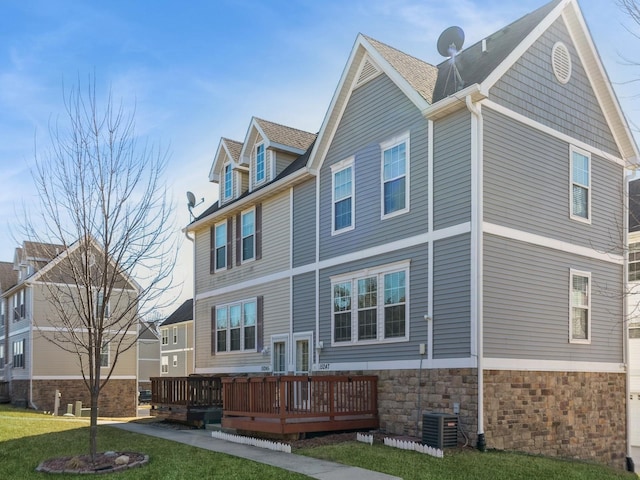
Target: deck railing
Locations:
point(195, 391)
point(289, 404)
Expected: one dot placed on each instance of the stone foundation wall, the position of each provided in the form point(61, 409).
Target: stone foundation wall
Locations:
point(19, 393)
point(119, 398)
point(566, 414)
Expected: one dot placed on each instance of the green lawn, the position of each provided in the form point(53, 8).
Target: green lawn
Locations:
point(27, 438)
point(467, 464)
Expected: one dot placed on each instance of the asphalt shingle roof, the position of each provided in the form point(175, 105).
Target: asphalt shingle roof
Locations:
point(234, 148)
point(182, 314)
point(8, 276)
point(292, 137)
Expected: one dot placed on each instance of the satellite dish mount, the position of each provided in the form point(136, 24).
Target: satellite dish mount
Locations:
point(449, 45)
point(191, 203)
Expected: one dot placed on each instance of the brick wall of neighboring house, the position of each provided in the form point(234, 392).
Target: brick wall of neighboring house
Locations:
point(117, 399)
point(19, 392)
point(564, 414)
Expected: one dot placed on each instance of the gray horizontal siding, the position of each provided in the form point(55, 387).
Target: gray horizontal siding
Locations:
point(530, 88)
point(527, 185)
point(304, 302)
point(376, 112)
point(526, 304)
point(418, 278)
point(304, 224)
point(452, 297)
point(452, 170)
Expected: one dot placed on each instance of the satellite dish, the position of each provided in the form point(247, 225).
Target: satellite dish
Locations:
point(450, 41)
point(191, 199)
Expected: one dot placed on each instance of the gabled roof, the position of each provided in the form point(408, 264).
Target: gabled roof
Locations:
point(41, 251)
point(183, 313)
point(227, 148)
point(285, 136)
point(8, 276)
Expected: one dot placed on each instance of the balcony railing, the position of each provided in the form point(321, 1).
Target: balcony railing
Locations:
point(193, 391)
point(294, 404)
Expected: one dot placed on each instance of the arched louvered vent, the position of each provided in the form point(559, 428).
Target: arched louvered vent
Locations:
point(561, 62)
point(368, 70)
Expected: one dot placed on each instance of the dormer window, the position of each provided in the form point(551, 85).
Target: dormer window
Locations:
point(260, 163)
point(228, 182)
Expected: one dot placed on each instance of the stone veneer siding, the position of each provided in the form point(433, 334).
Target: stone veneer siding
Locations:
point(567, 414)
point(119, 398)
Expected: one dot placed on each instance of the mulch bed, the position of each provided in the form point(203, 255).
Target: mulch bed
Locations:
point(105, 462)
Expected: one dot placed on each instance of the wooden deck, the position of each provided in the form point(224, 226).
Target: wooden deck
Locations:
point(186, 399)
point(297, 404)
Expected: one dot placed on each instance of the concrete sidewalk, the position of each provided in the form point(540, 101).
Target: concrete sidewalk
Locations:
point(311, 467)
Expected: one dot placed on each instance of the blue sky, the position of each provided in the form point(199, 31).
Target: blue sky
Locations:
point(199, 70)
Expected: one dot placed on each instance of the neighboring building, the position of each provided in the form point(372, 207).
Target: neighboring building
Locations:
point(34, 366)
point(633, 310)
point(458, 238)
point(148, 354)
point(8, 279)
point(176, 334)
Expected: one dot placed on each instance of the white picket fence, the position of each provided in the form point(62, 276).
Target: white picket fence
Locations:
point(418, 447)
point(364, 438)
point(254, 442)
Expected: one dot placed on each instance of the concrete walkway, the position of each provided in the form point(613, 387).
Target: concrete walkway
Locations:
point(311, 467)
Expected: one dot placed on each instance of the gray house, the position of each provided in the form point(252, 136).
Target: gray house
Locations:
point(176, 342)
point(452, 229)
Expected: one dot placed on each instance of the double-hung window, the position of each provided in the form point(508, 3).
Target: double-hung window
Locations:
point(580, 185)
point(342, 196)
point(228, 181)
point(220, 246)
point(165, 336)
point(164, 364)
point(175, 335)
point(100, 303)
point(19, 305)
point(104, 355)
point(634, 262)
point(1, 355)
point(236, 326)
point(18, 354)
point(371, 306)
point(395, 179)
point(580, 307)
point(260, 163)
point(248, 235)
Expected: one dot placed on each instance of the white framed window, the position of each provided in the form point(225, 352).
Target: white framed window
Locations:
point(220, 246)
point(104, 355)
point(248, 229)
point(394, 195)
point(342, 196)
point(579, 307)
point(228, 181)
point(2, 312)
point(280, 353)
point(236, 326)
point(371, 305)
point(2, 355)
point(175, 361)
point(165, 336)
point(580, 185)
point(19, 306)
point(164, 364)
point(18, 354)
point(634, 262)
point(175, 335)
point(260, 164)
point(100, 302)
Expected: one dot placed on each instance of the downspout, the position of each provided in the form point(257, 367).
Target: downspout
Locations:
point(625, 323)
point(477, 253)
point(193, 311)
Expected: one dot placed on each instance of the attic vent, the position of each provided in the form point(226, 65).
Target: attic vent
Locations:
point(561, 62)
point(368, 71)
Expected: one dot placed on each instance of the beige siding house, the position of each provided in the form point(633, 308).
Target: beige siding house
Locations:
point(34, 366)
point(176, 338)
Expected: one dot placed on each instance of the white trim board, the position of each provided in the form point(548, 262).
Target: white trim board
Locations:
point(541, 241)
point(540, 365)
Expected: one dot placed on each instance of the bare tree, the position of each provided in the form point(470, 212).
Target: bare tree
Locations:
point(103, 205)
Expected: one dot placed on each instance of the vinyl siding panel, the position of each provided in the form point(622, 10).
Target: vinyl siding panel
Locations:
point(375, 113)
point(275, 248)
point(283, 160)
point(527, 186)
point(304, 301)
point(526, 304)
point(275, 321)
point(304, 224)
point(452, 297)
point(452, 170)
point(418, 279)
point(530, 88)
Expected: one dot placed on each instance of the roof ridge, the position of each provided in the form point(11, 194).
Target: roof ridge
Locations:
point(283, 125)
point(370, 39)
